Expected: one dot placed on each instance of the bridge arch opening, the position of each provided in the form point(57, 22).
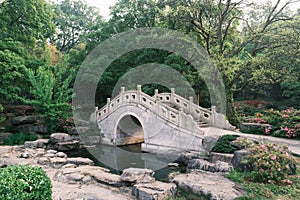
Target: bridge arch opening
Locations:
point(129, 131)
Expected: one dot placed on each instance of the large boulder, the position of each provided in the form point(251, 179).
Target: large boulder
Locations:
point(224, 157)
point(203, 165)
point(32, 128)
point(40, 143)
point(237, 160)
point(187, 156)
point(154, 191)
point(253, 126)
point(137, 175)
point(60, 137)
point(209, 142)
point(199, 164)
point(213, 185)
point(67, 146)
point(24, 120)
point(80, 161)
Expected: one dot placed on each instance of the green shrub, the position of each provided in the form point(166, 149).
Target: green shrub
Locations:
point(223, 144)
point(24, 183)
point(270, 163)
point(19, 138)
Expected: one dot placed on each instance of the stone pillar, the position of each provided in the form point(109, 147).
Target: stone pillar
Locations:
point(139, 91)
point(191, 99)
point(108, 105)
point(121, 95)
point(172, 96)
point(213, 116)
point(156, 94)
point(180, 113)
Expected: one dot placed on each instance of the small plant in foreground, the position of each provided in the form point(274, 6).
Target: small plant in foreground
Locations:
point(270, 163)
point(24, 182)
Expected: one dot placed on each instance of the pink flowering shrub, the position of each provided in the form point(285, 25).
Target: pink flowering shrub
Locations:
point(286, 122)
point(270, 163)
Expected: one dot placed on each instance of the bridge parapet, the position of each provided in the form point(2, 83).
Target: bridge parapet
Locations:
point(160, 105)
point(188, 106)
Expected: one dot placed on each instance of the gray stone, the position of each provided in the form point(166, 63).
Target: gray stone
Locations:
point(61, 155)
point(237, 159)
point(31, 128)
point(186, 157)
point(253, 126)
point(26, 155)
point(222, 166)
point(80, 161)
point(67, 146)
point(58, 162)
point(173, 165)
point(40, 143)
point(200, 164)
point(106, 178)
point(43, 161)
point(154, 191)
point(209, 142)
point(52, 151)
point(75, 177)
point(69, 166)
point(60, 137)
point(224, 157)
point(50, 155)
point(24, 120)
point(137, 175)
point(78, 130)
point(213, 185)
point(87, 179)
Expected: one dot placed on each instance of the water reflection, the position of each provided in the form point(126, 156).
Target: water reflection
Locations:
point(120, 158)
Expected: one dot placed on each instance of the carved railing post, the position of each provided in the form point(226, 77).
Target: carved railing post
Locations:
point(191, 104)
point(108, 105)
point(157, 105)
point(139, 91)
point(156, 94)
point(213, 116)
point(122, 95)
point(172, 95)
point(180, 113)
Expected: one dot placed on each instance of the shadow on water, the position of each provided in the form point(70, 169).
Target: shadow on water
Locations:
point(119, 158)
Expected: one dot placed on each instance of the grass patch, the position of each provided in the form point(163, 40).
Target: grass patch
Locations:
point(19, 139)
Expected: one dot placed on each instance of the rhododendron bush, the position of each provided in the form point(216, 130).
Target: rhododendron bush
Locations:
point(270, 163)
point(284, 123)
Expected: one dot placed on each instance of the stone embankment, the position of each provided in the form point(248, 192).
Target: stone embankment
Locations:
point(78, 178)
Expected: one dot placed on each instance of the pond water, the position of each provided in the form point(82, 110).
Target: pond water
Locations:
point(119, 158)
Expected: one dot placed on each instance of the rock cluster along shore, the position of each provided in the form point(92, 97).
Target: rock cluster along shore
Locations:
point(78, 178)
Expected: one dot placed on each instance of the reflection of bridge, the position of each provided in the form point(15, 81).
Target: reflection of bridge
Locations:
point(165, 120)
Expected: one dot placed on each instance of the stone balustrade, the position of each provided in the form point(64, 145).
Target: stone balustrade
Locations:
point(169, 106)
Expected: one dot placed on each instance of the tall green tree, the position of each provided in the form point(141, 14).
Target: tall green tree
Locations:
point(74, 20)
point(26, 21)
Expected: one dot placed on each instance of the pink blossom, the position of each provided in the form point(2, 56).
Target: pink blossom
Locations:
point(274, 157)
point(267, 131)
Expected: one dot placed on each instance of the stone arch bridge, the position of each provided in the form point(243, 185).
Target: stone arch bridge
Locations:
point(165, 121)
